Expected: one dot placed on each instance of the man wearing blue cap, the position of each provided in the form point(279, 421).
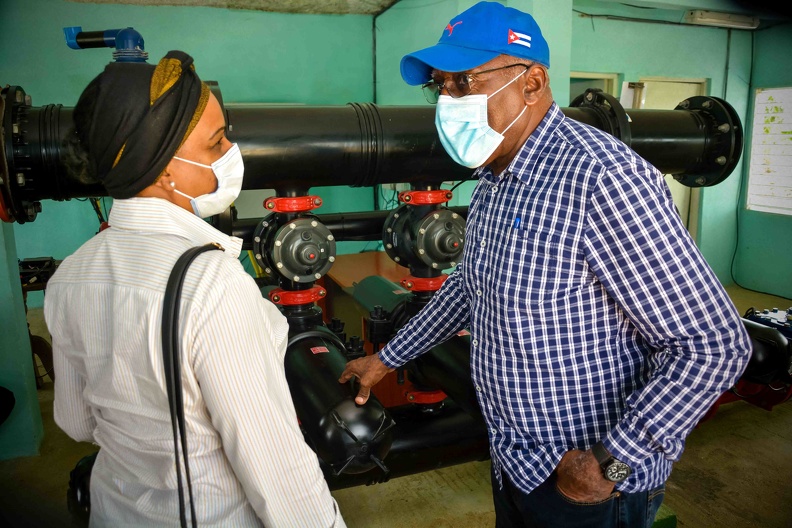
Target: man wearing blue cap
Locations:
point(599, 335)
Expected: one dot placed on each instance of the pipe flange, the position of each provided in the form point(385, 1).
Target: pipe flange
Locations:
point(303, 250)
point(609, 110)
point(440, 239)
point(263, 235)
point(15, 105)
point(724, 145)
point(6, 214)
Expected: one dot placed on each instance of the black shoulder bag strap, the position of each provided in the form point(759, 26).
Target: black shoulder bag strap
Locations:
point(170, 356)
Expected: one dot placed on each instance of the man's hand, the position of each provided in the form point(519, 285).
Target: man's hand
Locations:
point(580, 478)
point(369, 370)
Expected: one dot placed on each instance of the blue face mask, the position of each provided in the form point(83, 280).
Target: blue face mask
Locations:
point(464, 129)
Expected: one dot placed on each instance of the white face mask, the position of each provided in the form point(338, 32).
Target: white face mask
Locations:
point(228, 170)
point(464, 129)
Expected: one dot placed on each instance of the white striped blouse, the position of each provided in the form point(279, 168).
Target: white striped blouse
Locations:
point(248, 461)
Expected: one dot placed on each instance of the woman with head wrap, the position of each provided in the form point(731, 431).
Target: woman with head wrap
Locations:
point(155, 138)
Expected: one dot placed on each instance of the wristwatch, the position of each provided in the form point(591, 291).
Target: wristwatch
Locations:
point(613, 469)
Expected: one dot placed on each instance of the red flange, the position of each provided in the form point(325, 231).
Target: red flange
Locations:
point(292, 298)
point(298, 204)
point(5, 216)
point(425, 197)
point(419, 284)
point(425, 396)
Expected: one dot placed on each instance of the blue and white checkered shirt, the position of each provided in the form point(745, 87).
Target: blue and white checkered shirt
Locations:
point(592, 314)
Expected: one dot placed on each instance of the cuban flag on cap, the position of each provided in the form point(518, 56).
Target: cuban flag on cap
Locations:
point(519, 38)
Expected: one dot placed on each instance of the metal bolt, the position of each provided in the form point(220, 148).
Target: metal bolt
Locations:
point(318, 275)
point(296, 278)
point(317, 201)
point(330, 237)
point(407, 198)
point(20, 179)
point(257, 239)
point(292, 226)
point(454, 215)
point(265, 224)
point(270, 205)
point(453, 264)
point(721, 160)
point(436, 216)
point(422, 230)
point(258, 256)
point(322, 293)
point(314, 223)
point(389, 246)
point(589, 96)
point(397, 259)
point(19, 96)
point(409, 284)
point(267, 271)
point(279, 265)
point(706, 104)
point(411, 397)
point(395, 215)
point(28, 100)
point(389, 230)
point(724, 128)
point(421, 251)
point(330, 258)
point(685, 104)
point(701, 180)
point(276, 298)
point(434, 265)
point(278, 243)
point(15, 128)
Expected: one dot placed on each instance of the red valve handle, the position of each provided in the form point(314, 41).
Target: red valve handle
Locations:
point(425, 396)
point(425, 197)
point(297, 204)
point(292, 298)
point(419, 284)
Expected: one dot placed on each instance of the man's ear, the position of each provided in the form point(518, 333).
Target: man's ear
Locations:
point(536, 84)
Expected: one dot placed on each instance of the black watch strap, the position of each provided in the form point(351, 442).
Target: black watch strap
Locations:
point(602, 454)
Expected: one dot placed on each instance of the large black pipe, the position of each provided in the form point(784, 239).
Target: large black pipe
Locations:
point(294, 148)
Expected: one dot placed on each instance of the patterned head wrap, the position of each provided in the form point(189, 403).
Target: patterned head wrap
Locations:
point(141, 116)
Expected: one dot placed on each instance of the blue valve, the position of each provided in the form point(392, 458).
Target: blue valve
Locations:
point(128, 43)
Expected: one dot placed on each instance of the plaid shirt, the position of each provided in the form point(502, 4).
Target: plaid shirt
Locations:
point(592, 314)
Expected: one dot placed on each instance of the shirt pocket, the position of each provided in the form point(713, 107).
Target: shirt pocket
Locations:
point(538, 264)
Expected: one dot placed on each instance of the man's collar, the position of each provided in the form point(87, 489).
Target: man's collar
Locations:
point(531, 152)
point(538, 144)
point(158, 216)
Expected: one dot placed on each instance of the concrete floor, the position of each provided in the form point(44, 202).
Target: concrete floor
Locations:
point(735, 473)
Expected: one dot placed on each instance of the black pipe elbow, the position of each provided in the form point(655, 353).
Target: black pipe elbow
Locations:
point(348, 438)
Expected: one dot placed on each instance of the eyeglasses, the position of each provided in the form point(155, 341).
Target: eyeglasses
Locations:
point(459, 85)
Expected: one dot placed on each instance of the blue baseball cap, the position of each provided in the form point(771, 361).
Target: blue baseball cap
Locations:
point(476, 36)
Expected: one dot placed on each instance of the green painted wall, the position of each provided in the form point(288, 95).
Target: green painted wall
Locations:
point(21, 433)
point(764, 257)
point(254, 55)
point(640, 49)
